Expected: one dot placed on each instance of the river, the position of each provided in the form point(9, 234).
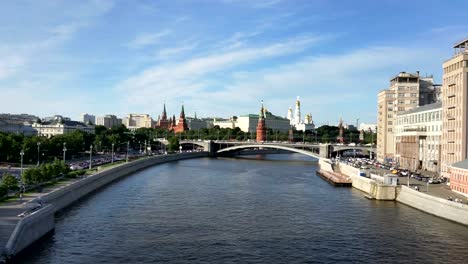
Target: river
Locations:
point(254, 209)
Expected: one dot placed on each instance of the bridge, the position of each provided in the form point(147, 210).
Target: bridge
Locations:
point(221, 147)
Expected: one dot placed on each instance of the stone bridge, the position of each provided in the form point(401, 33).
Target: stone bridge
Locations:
point(310, 149)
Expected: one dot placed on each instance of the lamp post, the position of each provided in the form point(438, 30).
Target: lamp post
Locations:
point(38, 153)
point(112, 159)
point(22, 154)
point(128, 146)
point(64, 151)
point(90, 156)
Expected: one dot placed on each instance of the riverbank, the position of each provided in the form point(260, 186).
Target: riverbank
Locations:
point(374, 188)
point(38, 223)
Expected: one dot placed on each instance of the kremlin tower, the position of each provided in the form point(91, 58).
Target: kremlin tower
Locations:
point(340, 137)
point(261, 128)
point(163, 122)
point(182, 125)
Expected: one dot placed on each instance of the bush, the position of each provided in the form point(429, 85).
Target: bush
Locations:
point(10, 182)
point(75, 174)
point(3, 191)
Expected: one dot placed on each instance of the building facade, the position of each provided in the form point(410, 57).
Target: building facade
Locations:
point(135, 121)
point(108, 121)
point(182, 123)
point(296, 122)
point(248, 123)
point(418, 135)
point(455, 108)
point(368, 127)
point(18, 124)
point(406, 91)
point(458, 173)
point(60, 126)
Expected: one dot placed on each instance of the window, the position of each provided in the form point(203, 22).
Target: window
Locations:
point(414, 95)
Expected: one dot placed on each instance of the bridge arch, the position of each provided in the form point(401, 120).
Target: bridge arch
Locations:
point(295, 150)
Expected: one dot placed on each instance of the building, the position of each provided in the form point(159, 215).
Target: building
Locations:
point(60, 126)
point(455, 108)
point(418, 136)
point(225, 123)
point(163, 122)
point(18, 124)
point(296, 122)
point(135, 121)
point(406, 91)
point(182, 124)
point(261, 127)
point(195, 123)
point(368, 127)
point(458, 174)
point(108, 121)
point(88, 119)
point(248, 123)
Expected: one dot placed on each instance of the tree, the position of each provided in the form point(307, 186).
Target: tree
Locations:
point(3, 191)
point(10, 181)
point(173, 144)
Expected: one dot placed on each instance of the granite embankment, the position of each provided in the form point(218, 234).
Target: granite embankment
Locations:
point(35, 225)
point(374, 188)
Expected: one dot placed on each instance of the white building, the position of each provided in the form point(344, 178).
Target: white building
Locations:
point(135, 121)
point(296, 122)
point(195, 123)
point(225, 123)
point(60, 126)
point(418, 135)
point(108, 121)
point(88, 119)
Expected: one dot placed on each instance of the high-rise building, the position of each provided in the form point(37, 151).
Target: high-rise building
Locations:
point(88, 119)
point(406, 91)
point(108, 121)
point(455, 108)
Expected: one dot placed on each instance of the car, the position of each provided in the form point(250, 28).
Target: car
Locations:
point(434, 181)
point(394, 172)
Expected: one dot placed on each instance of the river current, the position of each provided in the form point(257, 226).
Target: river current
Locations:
point(254, 209)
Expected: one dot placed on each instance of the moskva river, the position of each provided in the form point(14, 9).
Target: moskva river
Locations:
point(257, 209)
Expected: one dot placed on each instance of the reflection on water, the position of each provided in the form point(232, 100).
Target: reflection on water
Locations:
point(244, 210)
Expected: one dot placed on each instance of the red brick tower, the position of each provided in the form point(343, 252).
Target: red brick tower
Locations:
point(163, 122)
point(261, 128)
point(182, 125)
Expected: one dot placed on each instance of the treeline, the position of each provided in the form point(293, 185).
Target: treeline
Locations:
point(78, 142)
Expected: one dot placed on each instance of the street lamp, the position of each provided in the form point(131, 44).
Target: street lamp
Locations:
point(64, 150)
point(38, 152)
point(112, 159)
point(128, 146)
point(90, 156)
point(22, 154)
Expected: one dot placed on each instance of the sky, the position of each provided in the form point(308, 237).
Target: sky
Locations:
point(218, 57)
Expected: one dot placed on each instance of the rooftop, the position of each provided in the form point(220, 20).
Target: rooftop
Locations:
point(461, 164)
point(461, 44)
point(423, 108)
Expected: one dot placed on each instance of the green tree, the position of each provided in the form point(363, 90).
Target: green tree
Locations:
point(173, 144)
point(10, 181)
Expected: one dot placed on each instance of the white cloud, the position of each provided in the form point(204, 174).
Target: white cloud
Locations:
point(168, 53)
point(147, 39)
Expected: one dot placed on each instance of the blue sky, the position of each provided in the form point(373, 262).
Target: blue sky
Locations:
point(220, 58)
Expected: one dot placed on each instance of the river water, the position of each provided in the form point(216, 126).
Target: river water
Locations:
point(257, 209)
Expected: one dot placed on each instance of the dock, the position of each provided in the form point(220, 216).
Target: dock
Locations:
point(336, 179)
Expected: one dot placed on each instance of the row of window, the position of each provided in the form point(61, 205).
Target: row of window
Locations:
point(455, 66)
point(420, 118)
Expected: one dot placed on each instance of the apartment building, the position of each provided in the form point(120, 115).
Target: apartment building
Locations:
point(406, 91)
